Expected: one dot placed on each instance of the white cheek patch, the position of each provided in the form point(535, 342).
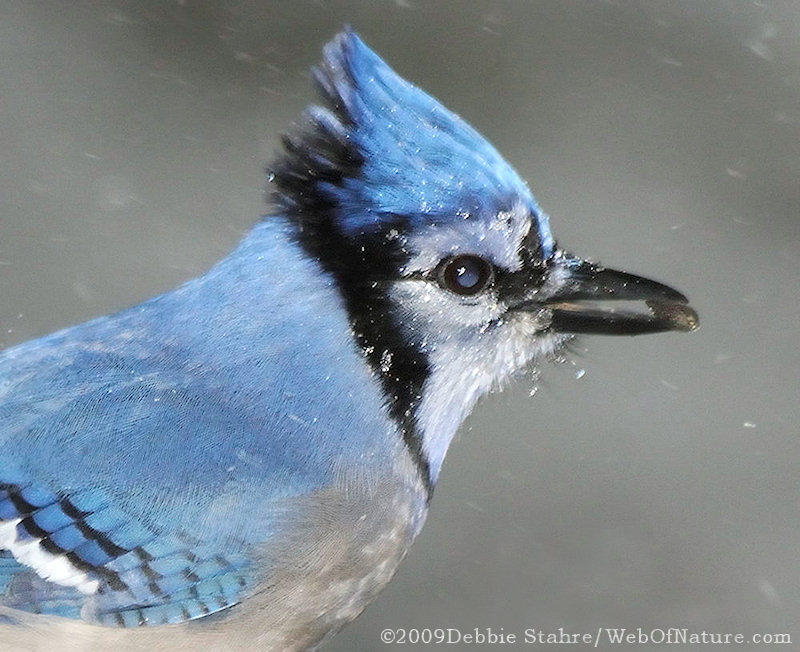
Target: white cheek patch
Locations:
point(427, 308)
point(472, 345)
point(54, 568)
point(464, 369)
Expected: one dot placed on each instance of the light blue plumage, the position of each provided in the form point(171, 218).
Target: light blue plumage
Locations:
point(247, 458)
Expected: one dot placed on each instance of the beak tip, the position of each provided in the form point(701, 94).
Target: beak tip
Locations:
point(680, 316)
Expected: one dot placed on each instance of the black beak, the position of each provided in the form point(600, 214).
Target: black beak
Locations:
point(582, 297)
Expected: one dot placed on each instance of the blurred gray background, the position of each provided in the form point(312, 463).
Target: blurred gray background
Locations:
point(650, 482)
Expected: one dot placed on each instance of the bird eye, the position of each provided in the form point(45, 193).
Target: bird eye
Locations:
point(466, 275)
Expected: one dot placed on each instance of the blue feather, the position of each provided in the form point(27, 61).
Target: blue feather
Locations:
point(157, 443)
point(418, 163)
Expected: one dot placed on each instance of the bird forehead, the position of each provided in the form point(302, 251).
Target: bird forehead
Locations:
point(497, 238)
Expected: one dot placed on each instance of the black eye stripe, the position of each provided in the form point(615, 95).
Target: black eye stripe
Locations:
point(512, 286)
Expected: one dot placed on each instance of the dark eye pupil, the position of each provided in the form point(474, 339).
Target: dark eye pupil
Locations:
point(466, 274)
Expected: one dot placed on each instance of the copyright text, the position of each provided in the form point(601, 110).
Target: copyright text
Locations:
point(484, 636)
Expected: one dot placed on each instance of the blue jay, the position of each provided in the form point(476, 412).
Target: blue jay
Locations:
point(246, 459)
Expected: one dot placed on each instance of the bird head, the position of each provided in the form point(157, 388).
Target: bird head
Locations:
point(446, 264)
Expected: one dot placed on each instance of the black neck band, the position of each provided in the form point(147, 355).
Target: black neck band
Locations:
point(363, 276)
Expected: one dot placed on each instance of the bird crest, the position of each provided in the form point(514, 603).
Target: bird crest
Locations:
point(385, 153)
